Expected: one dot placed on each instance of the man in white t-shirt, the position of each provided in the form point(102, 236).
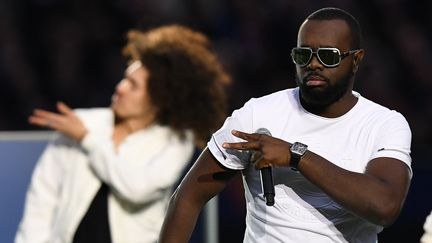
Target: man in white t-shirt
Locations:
point(341, 163)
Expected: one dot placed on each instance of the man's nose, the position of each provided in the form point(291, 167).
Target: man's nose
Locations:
point(315, 63)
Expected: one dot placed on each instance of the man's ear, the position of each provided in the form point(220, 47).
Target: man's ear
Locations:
point(358, 57)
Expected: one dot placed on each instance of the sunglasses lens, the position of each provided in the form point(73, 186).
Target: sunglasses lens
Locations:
point(329, 57)
point(301, 56)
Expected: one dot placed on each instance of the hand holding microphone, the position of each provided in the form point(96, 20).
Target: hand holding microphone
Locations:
point(268, 152)
point(266, 173)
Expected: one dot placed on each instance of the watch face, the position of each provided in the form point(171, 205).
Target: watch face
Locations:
point(299, 148)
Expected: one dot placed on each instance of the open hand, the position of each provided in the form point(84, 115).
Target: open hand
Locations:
point(65, 121)
point(269, 151)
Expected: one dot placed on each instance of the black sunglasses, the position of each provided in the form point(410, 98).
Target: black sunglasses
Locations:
point(327, 56)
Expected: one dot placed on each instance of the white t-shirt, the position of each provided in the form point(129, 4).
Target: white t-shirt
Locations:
point(302, 212)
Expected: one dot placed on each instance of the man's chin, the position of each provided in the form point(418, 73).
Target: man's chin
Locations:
point(316, 96)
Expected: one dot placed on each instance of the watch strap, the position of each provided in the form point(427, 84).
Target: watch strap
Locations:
point(295, 160)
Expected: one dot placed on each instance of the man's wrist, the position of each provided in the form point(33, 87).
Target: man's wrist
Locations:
point(297, 150)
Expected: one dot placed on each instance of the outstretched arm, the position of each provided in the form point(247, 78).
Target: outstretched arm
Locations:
point(205, 180)
point(136, 178)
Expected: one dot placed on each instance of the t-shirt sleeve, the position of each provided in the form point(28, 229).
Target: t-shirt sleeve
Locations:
point(240, 120)
point(394, 140)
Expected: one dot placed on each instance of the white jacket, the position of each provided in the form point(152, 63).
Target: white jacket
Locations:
point(427, 236)
point(68, 175)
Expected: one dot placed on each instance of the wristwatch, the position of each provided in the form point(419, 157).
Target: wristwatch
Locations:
point(297, 152)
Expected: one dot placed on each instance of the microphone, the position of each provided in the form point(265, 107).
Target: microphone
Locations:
point(266, 175)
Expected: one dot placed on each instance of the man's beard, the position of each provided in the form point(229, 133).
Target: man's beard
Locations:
point(321, 97)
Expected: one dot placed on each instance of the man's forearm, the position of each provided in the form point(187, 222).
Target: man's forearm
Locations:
point(377, 195)
point(180, 220)
point(205, 180)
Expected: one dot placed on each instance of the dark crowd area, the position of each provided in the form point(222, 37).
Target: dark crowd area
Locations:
point(70, 50)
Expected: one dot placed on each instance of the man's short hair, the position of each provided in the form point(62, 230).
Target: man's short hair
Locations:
point(331, 13)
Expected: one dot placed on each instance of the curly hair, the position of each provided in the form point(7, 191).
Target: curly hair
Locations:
point(186, 81)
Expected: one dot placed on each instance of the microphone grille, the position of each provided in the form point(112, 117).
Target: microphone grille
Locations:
point(263, 130)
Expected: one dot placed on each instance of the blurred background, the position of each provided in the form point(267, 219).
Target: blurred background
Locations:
point(70, 50)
